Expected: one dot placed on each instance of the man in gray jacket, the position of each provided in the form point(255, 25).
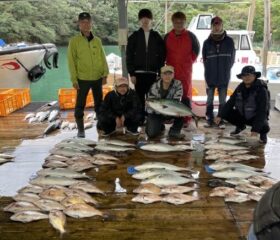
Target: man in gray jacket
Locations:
point(166, 88)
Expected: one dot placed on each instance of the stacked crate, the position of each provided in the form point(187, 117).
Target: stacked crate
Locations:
point(13, 99)
point(67, 97)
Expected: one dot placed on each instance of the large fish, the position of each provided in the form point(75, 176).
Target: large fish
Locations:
point(231, 141)
point(146, 198)
point(28, 216)
point(103, 156)
point(82, 210)
point(86, 187)
point(61, 172)
point(80, 165)
point(114, 148)
point(53, 193)
point(167, 179)
point(115, 142)
point(26, 197)
point(249, 188)
point(237, 197)
point(48, 205)
point(162, 147)
point(55, 164)
point(29, 115)
point(235, 173)
point(71, 200)
point(68, 152)
point(64, 125)
point(81, 141)
point(31, 189)
point(156, 171)
point(177, 189)
point(52, 127)
point(4, 160)
point(42, 116)
point(179, 198)
point(72, 145)
point(224, 146)
point(50, 180)
point(170, 108)
point(160, 165)
point(21, 206)
point(57, 220)
point(218, 166)
point(221, 191)
point(53, 115)
point(7, 156)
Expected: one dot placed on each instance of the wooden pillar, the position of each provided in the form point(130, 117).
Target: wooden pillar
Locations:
point(266, 35)
point(251, 15)
point(122, 33)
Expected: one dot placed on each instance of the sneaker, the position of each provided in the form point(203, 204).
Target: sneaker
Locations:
point(134, 133)
point(209, 124)
point(176, 135)
point(237, 130)
point(104, 134)
point(263, 138)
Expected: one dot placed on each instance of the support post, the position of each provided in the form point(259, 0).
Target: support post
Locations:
point(266, 35)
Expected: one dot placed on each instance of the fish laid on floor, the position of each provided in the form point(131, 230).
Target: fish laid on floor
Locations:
point(21, 206)
point(179, 198)
point(162, 147)
point(221, 191)
point(115, 142)
point(245, 157)
point(167, 179)
point(29, 115)
point(81, 165)
point(238, 152)
point(72, 126)
point(149, 188)
point(71, 200)
point(177, 189)
point(26, 197)
point(7, 156)
point(28, 216)
point(53, 115)
point(58, 220)
point(87, 187)
point(160, 165)
point(31, 189)
point(256, 196)
point(54, 164)
point(248, 188)
point(85, 196)
point(48, 205)
point(156, 171)
point(237, 197)
point(53, 193)
point(77, 146)
point(237, 181)
point(64, 125)
point(217, 166)
point(88, 125)
point(57, 158)
point(102, 162)
point(231, 141)
point(260, 179)
point(49, 180)
point(213, 151)
point(81, 211)
point(61, 172)
point(217, 156)
point(84, 141)
point(5, 160)
point(225, 147)
point(146, 198)
point(235, 173)
point(103, 156)
point(68, 152)
point(114, 148)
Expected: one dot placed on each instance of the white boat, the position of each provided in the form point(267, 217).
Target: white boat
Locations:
point(21, 63)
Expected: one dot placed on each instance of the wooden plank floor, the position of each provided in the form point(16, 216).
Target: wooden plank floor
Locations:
point(208, 218)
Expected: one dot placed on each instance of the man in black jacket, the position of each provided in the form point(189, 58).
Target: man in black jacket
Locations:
point(120, 108)
point(145, 55)
point(248, 105)
point(218, 54)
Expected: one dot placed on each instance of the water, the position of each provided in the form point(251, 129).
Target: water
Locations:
point(47, 88)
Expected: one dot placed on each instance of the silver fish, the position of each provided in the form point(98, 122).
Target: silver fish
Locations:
point(103, 156)
point(64, 125)
point(102, 162)
point(57, 158)
point(235, 173)
point(90, 116)
point(83, 141)
point(238, 152)
point(26, 197)
point(61, 172)
point(72, 126)
point(217, 156)
point(48, 205)
point(114, 148)
point(52, 127)
point(160, 165)
point(167, 179)
point(7, 156)
point(71, 200)
point(225, 147)
point(256, 196)
point(88, 125)
point(81, 165)
point(57, 220)
point(21, 206)
point(4, 160)
point(248, 188)
point(86, 197)
point(32, 120)
point(156, 171)
point(221, 191)
point(162, 147)
point(28, 216)
point(68, 152)
point(53, 115)
point(115, 142)
point(231, 141)
point(71, 145)
point(237, 197)
point(49, 180)
point(29, 115)
point(31, 189)
point(217, 166)
point(55, 164)
point(179, 198)
point(146, 198)
point(42, 116)
point(245, 157)
point(53, 193)
point(237, 181)
point(82, 211)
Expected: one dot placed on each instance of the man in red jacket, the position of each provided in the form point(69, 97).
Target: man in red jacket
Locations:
point(182, 48)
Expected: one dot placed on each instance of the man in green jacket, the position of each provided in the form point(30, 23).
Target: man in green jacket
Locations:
point(88, 68)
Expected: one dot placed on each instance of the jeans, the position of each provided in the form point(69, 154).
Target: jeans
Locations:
point(155, 125)
point(251, 234)
point(210, 91)
point(85, 86)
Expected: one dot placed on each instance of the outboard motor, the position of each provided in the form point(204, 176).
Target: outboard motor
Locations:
point(51, 52)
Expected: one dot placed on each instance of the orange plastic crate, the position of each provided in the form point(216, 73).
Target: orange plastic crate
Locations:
point(22, 95)
point(67, 97)
point(8, 103)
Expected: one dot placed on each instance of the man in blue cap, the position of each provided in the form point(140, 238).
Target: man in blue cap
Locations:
point(248, 105)
point(88, 68)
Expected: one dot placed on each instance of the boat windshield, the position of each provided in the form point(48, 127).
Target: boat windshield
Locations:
point(204, 22)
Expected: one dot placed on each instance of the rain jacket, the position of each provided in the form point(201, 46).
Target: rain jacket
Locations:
point(86, 59)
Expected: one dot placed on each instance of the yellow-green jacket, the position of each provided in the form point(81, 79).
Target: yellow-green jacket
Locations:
point(86, 60)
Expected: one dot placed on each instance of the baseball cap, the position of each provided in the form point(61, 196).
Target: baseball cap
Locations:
point(121, 81)
point(167, 68)
point(84, 15)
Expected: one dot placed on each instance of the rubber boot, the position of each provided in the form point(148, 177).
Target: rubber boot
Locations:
point(81, 129)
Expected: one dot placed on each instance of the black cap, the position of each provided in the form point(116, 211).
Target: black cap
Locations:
point(248, 70)
point(145, 13)
point(84, 15)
